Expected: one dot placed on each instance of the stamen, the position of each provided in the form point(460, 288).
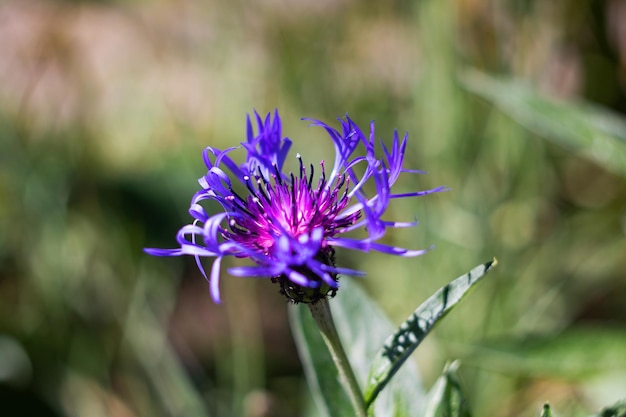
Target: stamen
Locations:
point(242, 207)
point(278, 178)
point(238, 202)
point(311, 176)
point(347, 189)
point(235, 195)
point(294, 209)
point(260, 175)
point(236, 228)
point(250, 187)
point(302, 170)
point(262, 190)
point(342, 180)
point(322, 180)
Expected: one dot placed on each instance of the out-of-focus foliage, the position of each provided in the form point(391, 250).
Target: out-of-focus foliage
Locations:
point(447, 398)
point(105, 107)
point(590, 131)
point(616, 410)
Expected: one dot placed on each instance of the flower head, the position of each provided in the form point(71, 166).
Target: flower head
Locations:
point(289, 224)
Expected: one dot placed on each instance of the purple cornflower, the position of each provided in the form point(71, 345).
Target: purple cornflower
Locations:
point(290, 224)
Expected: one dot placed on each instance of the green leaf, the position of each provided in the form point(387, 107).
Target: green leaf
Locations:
point(616, 410)
point(446, 396)
point(362, 328)
point(399, 346)
point(545, 411)
point(592, 131)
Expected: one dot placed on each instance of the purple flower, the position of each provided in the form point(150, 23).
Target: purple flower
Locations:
point(289, 225)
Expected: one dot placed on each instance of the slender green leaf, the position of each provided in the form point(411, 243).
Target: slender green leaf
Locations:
point(592, 131)
point(362, 328)
point(399, 346)
point(446, 396)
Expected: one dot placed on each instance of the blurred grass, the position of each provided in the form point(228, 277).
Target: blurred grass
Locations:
point(105, 107)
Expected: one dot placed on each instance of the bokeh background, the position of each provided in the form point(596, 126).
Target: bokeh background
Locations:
point(105, 107)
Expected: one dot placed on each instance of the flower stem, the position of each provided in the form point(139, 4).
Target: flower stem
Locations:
point(324, 320)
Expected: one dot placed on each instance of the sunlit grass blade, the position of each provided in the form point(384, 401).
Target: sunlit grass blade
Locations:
point(446, 396)
point(410, 334)
point(592, 131)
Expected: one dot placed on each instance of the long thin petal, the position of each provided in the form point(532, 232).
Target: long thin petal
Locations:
point(163, 252)
point(263, 271)
point(215, 279)
point(366, 246)
point(420, 193)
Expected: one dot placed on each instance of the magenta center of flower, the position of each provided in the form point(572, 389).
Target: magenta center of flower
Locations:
point(291, 206)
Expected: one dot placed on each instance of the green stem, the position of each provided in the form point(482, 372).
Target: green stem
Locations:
point(324, 320)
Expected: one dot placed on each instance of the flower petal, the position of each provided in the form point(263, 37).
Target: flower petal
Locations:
point(215, 279)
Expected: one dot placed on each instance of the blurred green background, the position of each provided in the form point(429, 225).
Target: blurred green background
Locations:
point(105, 107)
